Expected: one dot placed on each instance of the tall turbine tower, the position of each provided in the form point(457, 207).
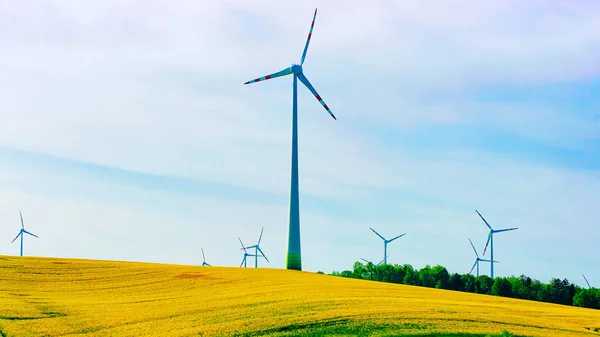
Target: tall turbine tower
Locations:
point(22, 232)
point(490, 241)
point(385, 243)
point(294, 258)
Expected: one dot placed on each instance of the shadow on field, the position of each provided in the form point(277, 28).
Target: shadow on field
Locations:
point(197, 276)
point(46, 315)
point(347, 327)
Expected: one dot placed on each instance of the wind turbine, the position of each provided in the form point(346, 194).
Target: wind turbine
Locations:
point(204, 259)
point(245, 253)
point(476, 264)
point(256, 250)
point(21, 232)
point(372, 262)
point(294, 257)
point(490, 241)
point(586, 281)
point(385, 243)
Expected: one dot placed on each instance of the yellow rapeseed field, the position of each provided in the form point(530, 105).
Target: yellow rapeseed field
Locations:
point(72, 297)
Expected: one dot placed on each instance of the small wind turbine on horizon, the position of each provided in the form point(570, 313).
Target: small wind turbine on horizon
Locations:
point(256, 250)
point(385, 243)
point(586, 281)
point(21, 232)
point(476, 264)
point(372, 262)
point(245, 254)
point(490, 241)
point(204, 259)
point(294, 256)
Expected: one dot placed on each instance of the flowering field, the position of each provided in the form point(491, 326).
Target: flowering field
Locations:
point(69, 297)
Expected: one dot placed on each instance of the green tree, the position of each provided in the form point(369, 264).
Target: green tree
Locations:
point(587, 298)
point(440, 277)
point(518, 287)
point(534, 289)
point(501, 287)
point(398, 274)
point(561, 291)
point(469, 282)
point(543, 294)
point(411, 277)
point(556, 291)
point(483, 284)
point(426, 277)
point(369, 271)
point(359, 271)
point(456, 282)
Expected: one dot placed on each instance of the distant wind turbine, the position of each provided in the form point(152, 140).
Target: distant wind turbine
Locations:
point(490, 241)
point(476, 264)
point(372, 262)
point(204, 259)
point(21, 232)
point(245, 253)
point(385, 243)
point(586, 281)
point(294, 258)
point(256, 249)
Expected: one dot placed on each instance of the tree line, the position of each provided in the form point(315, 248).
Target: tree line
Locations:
point(523, 287)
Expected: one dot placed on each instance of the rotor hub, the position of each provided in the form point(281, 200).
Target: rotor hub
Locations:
point(296, 69)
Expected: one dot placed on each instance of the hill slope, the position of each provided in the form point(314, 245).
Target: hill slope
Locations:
point(69, 297)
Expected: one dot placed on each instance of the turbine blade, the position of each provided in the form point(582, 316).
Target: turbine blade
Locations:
point(21, 215)
point(399, 236)
point(364, 260)
point(586, 281)
point(284, 72)
point(487, 243)
point(379, 262)
point(484, 260)
point(382, 238)
point(243, 247)
point(263, 254)
point(304, 80)
point(473, 247)
point(486, 223)
point(308, 38)
point(505, 230)
point(474, 264)
point(260, 237)
point(24, 231)
point(20, 233)
point(203, 257)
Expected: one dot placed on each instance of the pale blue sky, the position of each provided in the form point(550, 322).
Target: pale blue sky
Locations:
point(126, 132)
